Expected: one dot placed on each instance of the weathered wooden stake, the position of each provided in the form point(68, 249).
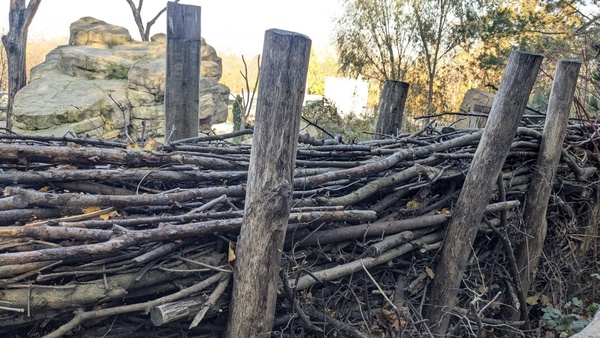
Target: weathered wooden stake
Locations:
point(182, 91)
point(391, 108)
point(507, 110)
point(555, 129)
point(269, 189)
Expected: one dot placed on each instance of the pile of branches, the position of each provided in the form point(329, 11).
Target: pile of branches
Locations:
point(109, 238)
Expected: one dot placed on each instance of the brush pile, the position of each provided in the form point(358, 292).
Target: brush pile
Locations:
point(102, 238)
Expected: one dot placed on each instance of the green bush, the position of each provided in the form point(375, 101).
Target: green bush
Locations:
point(574, 319)
point(324, 114)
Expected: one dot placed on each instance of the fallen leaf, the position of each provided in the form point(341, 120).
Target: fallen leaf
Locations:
point(532, 300)
point(496, 305)
point(444, 211)
point(44, 189)
point(414, 203)
point(151, 144)
point(109, 215)
point(429, 272)
point(133, 146)
point(231, 255)
point(388, 316)
point(89, 210)
point(546, 301)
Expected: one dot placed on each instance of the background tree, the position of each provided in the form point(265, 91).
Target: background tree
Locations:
point(15, 43)
point(137, 16)
point(440, 26)
point(3, 70)
point(322, 63)
point(374, 39)
point(243, 103)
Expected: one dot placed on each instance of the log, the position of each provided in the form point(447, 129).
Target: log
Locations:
point(385, 163)
point(345, 269)
point(169, 312)
point(116, 175)
point(508, 107)
point(386, 228)
point(73, 296)
point(24, 154)
point(555, 128)
point(182, 89)
point(270, 178)
point(37, 198)
point(138, 241)
point(391, 109)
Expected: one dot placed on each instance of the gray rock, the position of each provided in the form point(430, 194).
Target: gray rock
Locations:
point(475, 96)
point(211, 65)
point(53, 101)
point(159, 38)
point(140, 50)
point(70, 90)
point(93, 63)
point(475, 101)
point(94, 32)
point(148, 76)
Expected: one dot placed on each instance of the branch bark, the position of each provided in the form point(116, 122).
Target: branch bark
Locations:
point(555, 128)
point(270, 177)
point(518, 80)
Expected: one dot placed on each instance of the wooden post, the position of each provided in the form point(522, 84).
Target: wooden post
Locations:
point(182, 91)
point(391, 108)
point(507, 110)
point(555, 129)
point(269, 189)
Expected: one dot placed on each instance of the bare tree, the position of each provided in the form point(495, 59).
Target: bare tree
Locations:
point(137, 15)
point(15, 43)
point(3, 70)
point(374, 39)
point(441, 26)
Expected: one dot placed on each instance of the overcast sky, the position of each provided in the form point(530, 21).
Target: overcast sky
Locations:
point(228, 25)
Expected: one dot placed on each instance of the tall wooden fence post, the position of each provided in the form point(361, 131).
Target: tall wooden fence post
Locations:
point(269, 189)
point(555, 129)
point(391, 108)
point(507, 110)
point(182, 87)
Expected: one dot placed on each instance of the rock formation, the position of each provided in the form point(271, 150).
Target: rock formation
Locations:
point(475, 101)
point(74, 88)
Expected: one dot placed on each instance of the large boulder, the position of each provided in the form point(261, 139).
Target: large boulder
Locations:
point(91, 31)
point(64, 104)
point(475, 101)
point(101, 84)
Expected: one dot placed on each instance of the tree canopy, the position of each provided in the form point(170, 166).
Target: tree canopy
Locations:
point(444, 47)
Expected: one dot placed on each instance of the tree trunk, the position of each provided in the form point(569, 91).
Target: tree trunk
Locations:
point(270, 178)
point(391, 108)
point(518, 80)
point(15, 43)
point(534, 215)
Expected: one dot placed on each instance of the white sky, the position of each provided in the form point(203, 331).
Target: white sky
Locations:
point(236, 26)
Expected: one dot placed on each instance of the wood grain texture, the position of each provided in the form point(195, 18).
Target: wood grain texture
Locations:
point(270, 178)
point(182, 100)
point(508, 107)
point(391, 108)
point(555, 129)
